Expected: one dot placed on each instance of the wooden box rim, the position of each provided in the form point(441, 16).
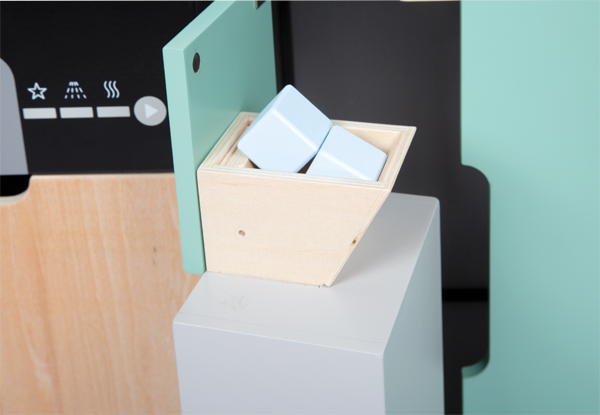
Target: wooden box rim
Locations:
point(226, 150)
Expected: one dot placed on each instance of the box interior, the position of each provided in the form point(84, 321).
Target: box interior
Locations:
point(383, 139)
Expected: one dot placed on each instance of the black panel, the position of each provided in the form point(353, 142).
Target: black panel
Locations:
point(466, 342)
point(54, 44)
point(14, 185)
point(282, 38)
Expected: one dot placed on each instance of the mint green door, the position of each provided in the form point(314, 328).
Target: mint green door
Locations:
point(530, 123)
point(234, 71)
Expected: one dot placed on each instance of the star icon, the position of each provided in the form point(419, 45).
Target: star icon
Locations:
point(37, 91)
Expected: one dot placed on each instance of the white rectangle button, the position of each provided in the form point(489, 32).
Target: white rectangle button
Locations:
point(77, 112)
point(113, 112)
point(39, 113)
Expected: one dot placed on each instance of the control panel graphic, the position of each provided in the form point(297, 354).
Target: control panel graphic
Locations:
point(89, 83)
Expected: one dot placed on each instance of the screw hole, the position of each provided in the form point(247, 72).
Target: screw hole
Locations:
point(196, 63)
point(242, 233)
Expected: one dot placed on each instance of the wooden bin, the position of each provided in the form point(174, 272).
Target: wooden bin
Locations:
point(289, 226)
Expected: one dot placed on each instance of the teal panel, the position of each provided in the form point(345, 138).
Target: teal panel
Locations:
point(237, 73)
point(530, 123)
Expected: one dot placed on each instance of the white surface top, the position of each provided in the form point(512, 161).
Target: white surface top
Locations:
point(356, 313)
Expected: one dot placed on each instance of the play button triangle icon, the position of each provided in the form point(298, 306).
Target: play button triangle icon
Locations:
point(149, 110)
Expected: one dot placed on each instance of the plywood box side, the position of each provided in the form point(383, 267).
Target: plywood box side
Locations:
point(279, 229)
point(289, 226)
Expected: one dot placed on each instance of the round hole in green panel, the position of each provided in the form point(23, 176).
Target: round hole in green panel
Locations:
point(196, 62)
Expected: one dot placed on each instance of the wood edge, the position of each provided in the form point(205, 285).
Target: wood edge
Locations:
point(372, 126)
point(391, 168)
point(218, 157)
point(51, 177)
point(233, 159)
point(217, 154)
point(233, 154)
point(237, 159)
point(262, 277)
point(398, 155)
point(37, 180)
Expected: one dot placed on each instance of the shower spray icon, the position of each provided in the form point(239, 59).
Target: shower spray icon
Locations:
point(74, 90)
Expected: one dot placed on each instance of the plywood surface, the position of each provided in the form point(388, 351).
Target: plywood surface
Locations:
point(289, 226)
point(91, 278)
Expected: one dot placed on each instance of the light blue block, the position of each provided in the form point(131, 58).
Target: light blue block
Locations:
point(347, 156)
point(286, 134)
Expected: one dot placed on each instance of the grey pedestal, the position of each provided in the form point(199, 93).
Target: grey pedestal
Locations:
point(371, 343)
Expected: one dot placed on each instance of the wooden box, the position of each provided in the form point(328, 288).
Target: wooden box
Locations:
point(289, 226)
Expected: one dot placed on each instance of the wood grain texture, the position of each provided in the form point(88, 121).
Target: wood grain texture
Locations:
point(92, 276)
point(289, 226)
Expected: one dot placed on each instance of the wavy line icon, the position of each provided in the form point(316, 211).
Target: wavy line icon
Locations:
point(111, 89)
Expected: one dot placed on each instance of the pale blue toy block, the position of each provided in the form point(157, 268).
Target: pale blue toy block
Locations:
point(345, 155)
point(286, 134)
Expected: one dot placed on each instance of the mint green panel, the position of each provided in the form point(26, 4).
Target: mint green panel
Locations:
point(237, 73)
point(530, 122)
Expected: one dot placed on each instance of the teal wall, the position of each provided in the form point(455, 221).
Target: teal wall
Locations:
point(530, 122)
